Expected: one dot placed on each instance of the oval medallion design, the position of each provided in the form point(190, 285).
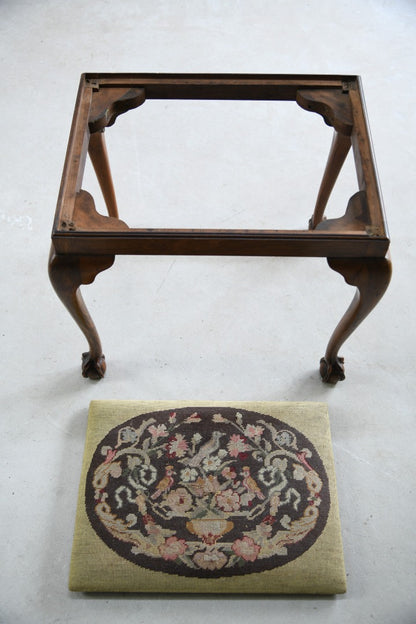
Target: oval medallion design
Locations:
point(207, 492)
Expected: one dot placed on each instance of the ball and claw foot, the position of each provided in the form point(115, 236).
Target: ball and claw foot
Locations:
point(94, 368)
point(332, 372)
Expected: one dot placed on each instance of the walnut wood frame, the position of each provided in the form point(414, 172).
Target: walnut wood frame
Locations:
point(85, 242)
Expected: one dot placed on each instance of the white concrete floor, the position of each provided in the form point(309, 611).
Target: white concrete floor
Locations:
point(223, 329)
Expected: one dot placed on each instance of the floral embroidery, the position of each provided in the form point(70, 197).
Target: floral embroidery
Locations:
point(211, 464)
point(127, 434)
point(236, 445)
point(253, 431)
point(246, 548)
point(228, 500)
point(172, 548)
point(179, 500)
point(193, 418)
point(177, 446)
point(189, 474)
point(203, 486)
point(207, 492)
point(158, 432)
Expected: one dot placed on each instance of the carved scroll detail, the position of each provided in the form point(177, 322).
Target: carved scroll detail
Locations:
point(356, 217)
point(334, 105)
point(108, 103)
point(87, 219)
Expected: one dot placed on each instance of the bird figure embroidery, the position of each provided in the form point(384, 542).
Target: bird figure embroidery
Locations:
point(206, 449)
point(250, 484)
point(165, 483)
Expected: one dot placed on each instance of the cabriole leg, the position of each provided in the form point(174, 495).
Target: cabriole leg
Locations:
point(67, 273)
point(371, 276)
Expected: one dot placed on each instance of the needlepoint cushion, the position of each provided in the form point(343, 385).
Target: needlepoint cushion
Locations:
point(203, 497)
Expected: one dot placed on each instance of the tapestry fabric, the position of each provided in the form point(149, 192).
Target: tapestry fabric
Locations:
point(207, 497)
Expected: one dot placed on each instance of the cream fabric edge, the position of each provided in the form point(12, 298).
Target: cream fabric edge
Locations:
point(320, 570)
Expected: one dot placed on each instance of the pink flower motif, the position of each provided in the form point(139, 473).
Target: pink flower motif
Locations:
point(228, 500)
point(158, 432)
point(253, 431)
point(193, 418)
point(179, 500)
point(246, 548)
point(172, 418)
point(172, 548)
point(177, 446)
point(237, 445)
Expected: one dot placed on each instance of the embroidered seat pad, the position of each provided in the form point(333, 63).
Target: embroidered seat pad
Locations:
point(204, 497)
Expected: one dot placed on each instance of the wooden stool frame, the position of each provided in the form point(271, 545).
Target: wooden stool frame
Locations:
point(85, 243)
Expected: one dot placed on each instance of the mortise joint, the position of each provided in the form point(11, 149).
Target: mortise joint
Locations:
point(93, 84)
